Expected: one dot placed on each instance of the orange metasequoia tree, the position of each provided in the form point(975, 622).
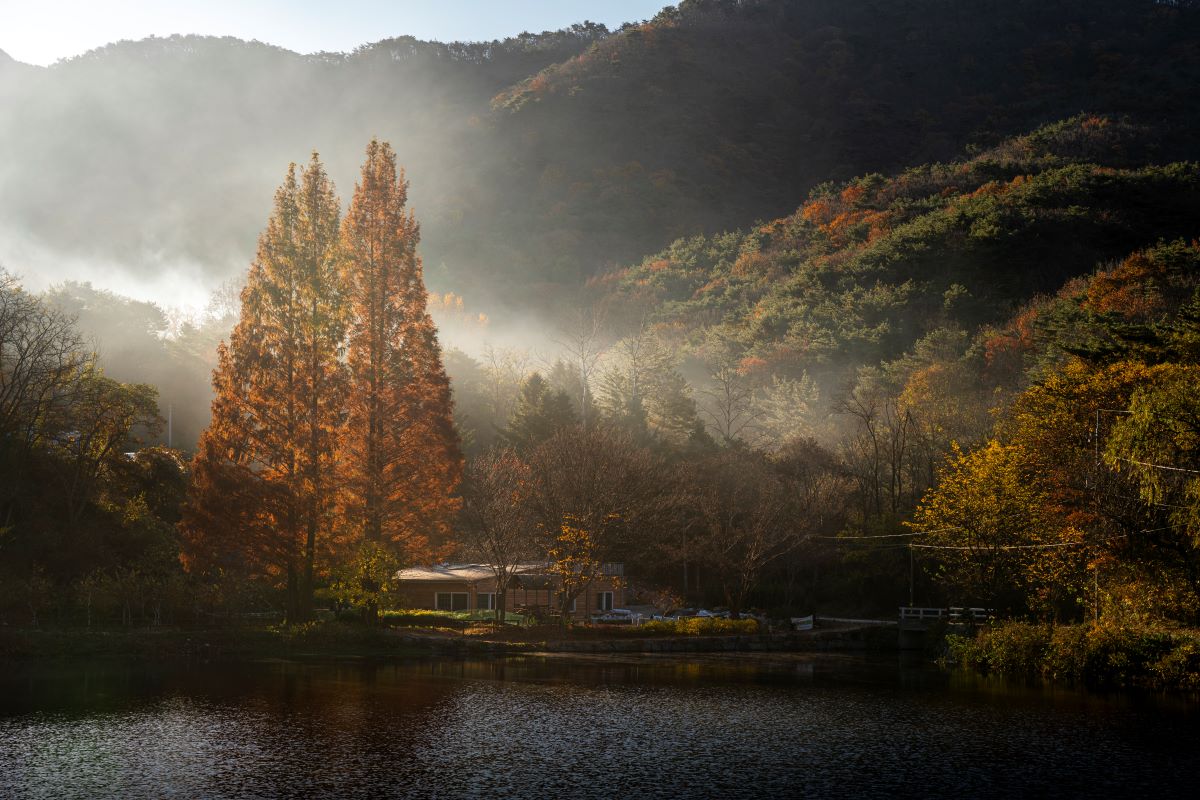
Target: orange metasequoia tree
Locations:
point(263, 493)
point(399, 457)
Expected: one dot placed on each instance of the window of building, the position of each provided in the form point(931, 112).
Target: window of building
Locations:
point(485, 601)
point(452, 601)
point(558, 604)
point(604, 601)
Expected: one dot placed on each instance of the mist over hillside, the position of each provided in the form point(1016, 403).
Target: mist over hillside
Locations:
point(157, 157)
point(540, 161)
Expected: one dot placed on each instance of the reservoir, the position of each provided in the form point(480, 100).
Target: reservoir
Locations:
point(605, 727)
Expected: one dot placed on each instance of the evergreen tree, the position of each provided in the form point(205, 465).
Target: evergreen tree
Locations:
point(400, 457)
point(540, 413)
point(643, 392)
point(262, 495)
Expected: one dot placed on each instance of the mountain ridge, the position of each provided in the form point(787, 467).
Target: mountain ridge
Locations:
point(541, 161)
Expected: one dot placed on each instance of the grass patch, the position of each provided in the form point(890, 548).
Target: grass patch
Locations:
point(422, 618)
point(698, 626)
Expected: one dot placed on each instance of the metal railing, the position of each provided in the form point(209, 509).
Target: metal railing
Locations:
point(911, 615)
point(973, 615)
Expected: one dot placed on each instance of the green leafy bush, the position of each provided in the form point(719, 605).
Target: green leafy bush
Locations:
point(1096, 655)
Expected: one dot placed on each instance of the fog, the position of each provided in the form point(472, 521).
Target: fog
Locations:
point(149, 167)
point(145, 171)
point(174, 284)
point(536, 165)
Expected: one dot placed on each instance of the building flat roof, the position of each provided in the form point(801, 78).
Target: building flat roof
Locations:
point(461, 572)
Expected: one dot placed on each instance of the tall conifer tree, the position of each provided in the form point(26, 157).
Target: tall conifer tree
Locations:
point(263, 492)
point(400, 457)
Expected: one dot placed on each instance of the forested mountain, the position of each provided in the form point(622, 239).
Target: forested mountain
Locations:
point(543, 160)
point(866, 268)
point(720, 112)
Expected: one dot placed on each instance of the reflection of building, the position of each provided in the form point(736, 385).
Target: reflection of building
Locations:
point(468, 587)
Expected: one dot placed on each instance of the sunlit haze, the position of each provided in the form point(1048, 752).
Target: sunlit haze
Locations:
point(44, 32)
point(149, 266)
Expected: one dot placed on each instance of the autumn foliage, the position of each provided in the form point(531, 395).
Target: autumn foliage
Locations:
point(310, 455)
point(400, 459)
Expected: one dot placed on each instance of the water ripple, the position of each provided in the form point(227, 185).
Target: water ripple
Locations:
point(530, 728)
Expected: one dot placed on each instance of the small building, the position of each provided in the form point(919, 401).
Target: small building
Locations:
point(472, 587)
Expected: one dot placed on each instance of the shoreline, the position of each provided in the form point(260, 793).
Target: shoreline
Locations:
point(990, 655)
point(356, 642)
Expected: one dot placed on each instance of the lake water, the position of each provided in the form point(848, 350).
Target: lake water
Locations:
point(815, 726)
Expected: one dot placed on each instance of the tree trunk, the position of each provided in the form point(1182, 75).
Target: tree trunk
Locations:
point(305, 600)
point(734, 601)
point(293, 593)
point(371, 608)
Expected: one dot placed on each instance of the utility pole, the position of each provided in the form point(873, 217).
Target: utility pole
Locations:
point(911, 576)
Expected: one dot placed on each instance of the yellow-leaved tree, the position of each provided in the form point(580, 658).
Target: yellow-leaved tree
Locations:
point(993, 536)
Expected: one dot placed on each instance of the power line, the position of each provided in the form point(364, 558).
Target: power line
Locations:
point(1130, 497)
point(1157, 466)
point(885, 535)
point(1005, 547)
point(882, 547)
point(1164, 528)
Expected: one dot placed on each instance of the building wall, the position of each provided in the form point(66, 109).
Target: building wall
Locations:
point(423, 594)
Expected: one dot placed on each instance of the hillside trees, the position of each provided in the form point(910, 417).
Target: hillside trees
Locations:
point(643, 391)
point(995, 534)
point(597, 495)
point(79, 503)
point(40, 355)
point(751, 512)
point(540, 412)
point(498, 527)
point(96, 426)
point(581, 334)
point(1100, 442)
point(727, 401)
point(1157, 445)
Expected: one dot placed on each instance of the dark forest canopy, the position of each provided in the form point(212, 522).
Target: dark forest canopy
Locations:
point(547, 158)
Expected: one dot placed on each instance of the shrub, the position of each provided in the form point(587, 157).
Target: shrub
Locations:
point(1146, 655)
point(1018, 648)
point(426, 618)
point(700, 626)
point(421, 618)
